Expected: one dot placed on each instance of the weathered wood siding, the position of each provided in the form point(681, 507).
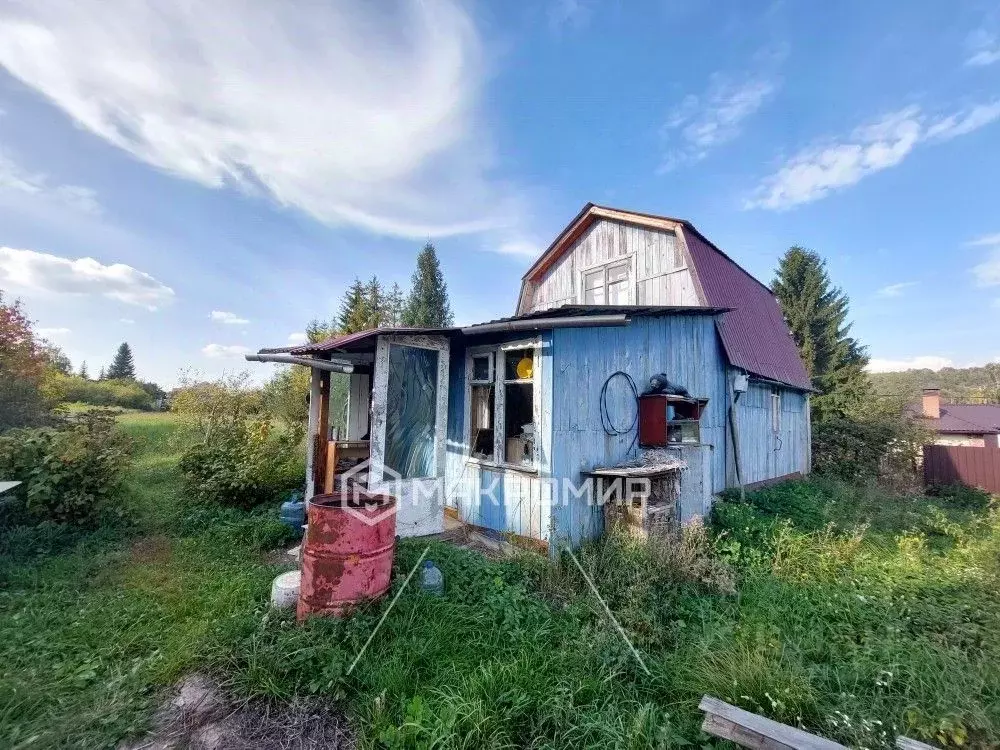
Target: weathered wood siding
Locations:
point(659, 272)
point(765, 454)
point(505, 500)
point(685, 347)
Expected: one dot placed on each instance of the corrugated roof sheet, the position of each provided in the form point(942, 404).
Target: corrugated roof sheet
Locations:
point(754, 333)
point(968, 419)
point(363, 339)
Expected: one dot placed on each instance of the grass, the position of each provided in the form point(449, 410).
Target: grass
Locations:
point(853, 615)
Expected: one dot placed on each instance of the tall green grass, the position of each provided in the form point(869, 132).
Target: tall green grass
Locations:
point(838, 609)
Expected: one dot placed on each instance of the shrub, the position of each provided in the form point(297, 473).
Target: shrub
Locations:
point(127, 394)
point(961, 497)
point(244, 464)
point(69, 472)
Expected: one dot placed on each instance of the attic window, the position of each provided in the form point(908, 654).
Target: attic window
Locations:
point(607, 285)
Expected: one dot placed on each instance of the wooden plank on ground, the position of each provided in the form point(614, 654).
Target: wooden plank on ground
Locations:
point(751, 730)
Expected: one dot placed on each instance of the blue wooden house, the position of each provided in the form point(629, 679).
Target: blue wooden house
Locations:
point(500, 424)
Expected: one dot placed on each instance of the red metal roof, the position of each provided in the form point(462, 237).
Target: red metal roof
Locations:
point(754, 333)
point(966, 419)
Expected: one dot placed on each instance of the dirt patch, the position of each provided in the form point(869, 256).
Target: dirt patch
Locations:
point(151, 549)
point(200, 715)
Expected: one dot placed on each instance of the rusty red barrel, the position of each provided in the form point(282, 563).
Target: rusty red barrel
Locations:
point(347, 552)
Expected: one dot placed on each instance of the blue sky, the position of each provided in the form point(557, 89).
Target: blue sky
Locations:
point(202, 181)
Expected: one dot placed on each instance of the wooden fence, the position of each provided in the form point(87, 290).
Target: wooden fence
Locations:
point(952, 464)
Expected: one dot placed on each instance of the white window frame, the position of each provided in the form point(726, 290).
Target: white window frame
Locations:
point(776, 410)
point(630, 280)
point(499, 394)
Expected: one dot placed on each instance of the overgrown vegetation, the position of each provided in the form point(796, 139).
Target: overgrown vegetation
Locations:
point(817, 603)
point(70, 472)
point(241, 459)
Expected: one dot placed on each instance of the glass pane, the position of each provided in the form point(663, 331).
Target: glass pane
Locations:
point(481, 367)
point(594, 279)
point(519, 364)
point(519, 448)
point(618, 293)
point(481, 421)
point(593, 296)
point(412, 412)
point(617, 273)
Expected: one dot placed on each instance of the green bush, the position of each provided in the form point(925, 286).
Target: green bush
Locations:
point(244, 464)
point(68, 473)
point(127, 394)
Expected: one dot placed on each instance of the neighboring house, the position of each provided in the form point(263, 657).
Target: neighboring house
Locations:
point(500, 420)
point(970, 425)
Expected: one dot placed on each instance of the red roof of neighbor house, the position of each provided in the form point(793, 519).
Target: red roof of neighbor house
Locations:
point(754, 333)
point(966, 419)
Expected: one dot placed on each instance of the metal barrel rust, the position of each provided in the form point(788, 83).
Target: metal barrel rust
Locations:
point(347, 553)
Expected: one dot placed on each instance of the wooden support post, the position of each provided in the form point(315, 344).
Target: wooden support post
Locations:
point(322, 434)
point(331, 466)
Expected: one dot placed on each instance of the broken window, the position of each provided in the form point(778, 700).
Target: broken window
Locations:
point(502, 406)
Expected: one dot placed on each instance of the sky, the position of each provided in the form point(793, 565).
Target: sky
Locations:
point(202, 179)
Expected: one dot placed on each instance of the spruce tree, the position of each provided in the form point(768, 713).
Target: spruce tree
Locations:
point(377, 304)
point(83, 370)
point(102, 375)
point(428, 306)
point(816, 312)
point(395, 304)
point(317, 330)
point(122, 367)
point(355, 311)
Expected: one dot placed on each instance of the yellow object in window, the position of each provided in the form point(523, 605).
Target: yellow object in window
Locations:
point(524, 368)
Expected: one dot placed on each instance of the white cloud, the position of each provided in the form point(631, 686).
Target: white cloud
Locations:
point(49, 333)
point(297, 338)
point(127, 321)
point(987, 273)
point(817, 171)
point(56, 275)
point(984, 48)
point(925, 362)
point(15, 178)
point(520, 248)
point(228, 318)
point(704, 122)
point(964, 123)
point(223, 351)
point(895, 290)
point(349, 111)
point(987, 240)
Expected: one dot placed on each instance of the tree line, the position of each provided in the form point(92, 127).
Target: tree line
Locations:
point(369, 304)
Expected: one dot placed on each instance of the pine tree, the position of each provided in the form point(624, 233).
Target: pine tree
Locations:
point(355, 312)
point(83, 370)
point(395, 304)
point(428, 306)
point(122, 367)
point(816, 312)
point(102, 375)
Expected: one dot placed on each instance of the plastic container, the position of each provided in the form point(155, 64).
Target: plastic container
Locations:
point(285, 590)
point(432, 579)
point(293, 513)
